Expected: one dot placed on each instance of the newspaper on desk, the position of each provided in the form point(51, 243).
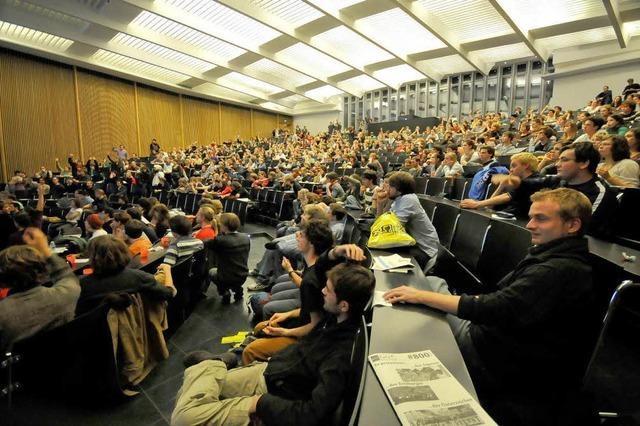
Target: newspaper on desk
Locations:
point(424, 393)
point(392, 263)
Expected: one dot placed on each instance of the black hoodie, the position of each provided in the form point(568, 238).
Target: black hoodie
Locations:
point(537, 329)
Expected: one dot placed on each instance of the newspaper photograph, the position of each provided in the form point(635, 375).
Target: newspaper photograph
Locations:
point(424, 393)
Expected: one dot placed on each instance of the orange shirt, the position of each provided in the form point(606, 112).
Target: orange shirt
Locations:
point(139, 244)
point(206, 233)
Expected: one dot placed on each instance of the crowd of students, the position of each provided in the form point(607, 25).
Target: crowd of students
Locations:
point(315, 298)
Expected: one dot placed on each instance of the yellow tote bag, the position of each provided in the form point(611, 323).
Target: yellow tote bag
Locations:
point(387, 232)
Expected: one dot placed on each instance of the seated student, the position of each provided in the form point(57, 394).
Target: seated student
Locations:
point(232, 248)
point(537, 326)
point(109, 257)
point(135, 238)
point(183, 244)
point(370, 185)
point(30, 306)
point(284, 391)
point(576, 170)
point(149, 232)
point(93, 226)
point(400, 187)
point(523, 165)
point(333, 187)
point(507, 147)
point(314, 239)
point(206, 219)
point(616, 167)
point(450, 167)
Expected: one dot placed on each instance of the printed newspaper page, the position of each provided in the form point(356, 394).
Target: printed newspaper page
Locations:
point(424, 393)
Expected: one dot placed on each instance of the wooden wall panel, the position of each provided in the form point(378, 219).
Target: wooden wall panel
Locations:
point(235, 121)
point(285, 122)
point(264, 123)
point(159, 114)
point(201, 121)
point(37, 103)
point(107, 115)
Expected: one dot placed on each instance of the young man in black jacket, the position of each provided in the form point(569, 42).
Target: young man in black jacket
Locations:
point(302, 384)
point(531, 339)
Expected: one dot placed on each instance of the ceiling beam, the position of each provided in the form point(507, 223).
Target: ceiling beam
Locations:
point(176, 14)
point(570, 27)
point(348, 17)
point(613, 12)
point(41, 23)
point(436, 27)
point(295, 36)
point(105, 21)
point(525, 36)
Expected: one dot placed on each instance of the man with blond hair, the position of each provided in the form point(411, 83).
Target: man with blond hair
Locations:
point(523, 165)
point(537, 328)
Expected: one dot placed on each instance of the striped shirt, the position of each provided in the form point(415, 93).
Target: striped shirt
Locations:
point(182, 247)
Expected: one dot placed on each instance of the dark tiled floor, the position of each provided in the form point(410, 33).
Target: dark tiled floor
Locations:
point(203, 329)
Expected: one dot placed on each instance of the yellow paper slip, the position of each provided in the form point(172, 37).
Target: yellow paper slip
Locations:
point(236, 338)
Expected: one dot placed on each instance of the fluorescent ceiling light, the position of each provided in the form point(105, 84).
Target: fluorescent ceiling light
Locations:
point(248, 84)
point(504, 53)
point(323, 92)
point(361, 83)
point(315, 61)
point(239, 28)
point(334, 6)
point(395, 76)
point(530, 14)
point(166, 27)
point(451, 64)
point(399, 32)
point(294, 12)
point(138, 68)
point(469, 20)
point(122, 39)
point(594, 35)
point(27, 36)
point(350, 47)
point(278, 73)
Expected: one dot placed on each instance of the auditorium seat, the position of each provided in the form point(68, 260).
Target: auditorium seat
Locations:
point(429, 206)
point(613, 372)
point(505, 245)
point(436, 187)
point(469, 237)
point(421, 184)
point(460, 188)
point(445, 218)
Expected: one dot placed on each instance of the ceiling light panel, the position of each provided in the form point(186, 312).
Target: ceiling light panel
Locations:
point(350, 47)
point(271, 105)
point(70, 22)
point(632, 28)
point(530, 14)
point(248, 84)
point(278, 74)
point(323, 92)
point(138, 68)
point(303, 56)
point(122, 39)
point(168, 28)
point(594, 35)
point(240, 29)
point(334, 6)
point(398, 32)
point(17, 34)
point(504, 53)
point(222, 92)
point(361, 83)
point(295, 99)
point(395, 76)
point(294, 12)
point(452, 64)
point(469, 20)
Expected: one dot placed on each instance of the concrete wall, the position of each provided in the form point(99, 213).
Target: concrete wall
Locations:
point(317, 122)
point(574, 91)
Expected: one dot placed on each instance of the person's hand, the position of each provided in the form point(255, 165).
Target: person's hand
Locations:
point(275, 331)
point(603, 171)
point(286, 265)
point(35, 238)
point(278, 317)
point(349, 251)
point(469, 204)
point(403, 294)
